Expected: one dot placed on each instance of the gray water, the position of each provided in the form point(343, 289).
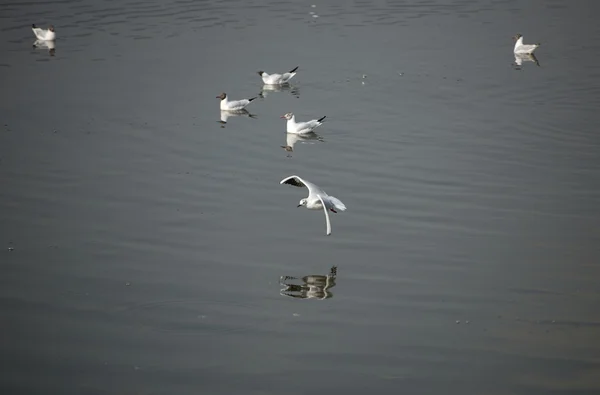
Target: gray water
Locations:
point(143, 241)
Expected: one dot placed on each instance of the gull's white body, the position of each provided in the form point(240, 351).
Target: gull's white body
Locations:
point(301, 127)
point(521, 48)
point(317, 198)
point(277, 79)
point(43, 34)
point(233, 105)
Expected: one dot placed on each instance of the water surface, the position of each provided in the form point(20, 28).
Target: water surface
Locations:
point(143, 241)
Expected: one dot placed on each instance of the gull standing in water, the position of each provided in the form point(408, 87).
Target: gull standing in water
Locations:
point(521, 48)
point(233, 105)
point(317, 198)
point(43, 34)
point(277, 79)
point(301, 127)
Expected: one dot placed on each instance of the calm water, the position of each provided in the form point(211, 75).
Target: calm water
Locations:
point(143, 241)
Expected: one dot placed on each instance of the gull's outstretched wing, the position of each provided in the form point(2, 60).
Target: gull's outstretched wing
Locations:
point(39, 33)
point(299, 182)
point(337, 203)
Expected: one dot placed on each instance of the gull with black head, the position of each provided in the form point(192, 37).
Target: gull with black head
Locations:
point(233, 105)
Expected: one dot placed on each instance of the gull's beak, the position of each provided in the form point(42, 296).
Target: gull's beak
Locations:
point(299, 206)
point(283, 116)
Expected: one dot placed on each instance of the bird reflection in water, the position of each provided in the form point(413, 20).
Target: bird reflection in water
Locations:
point(291, 139)
point(266, 89)
point(225, 115)
point(49, 45)
point(524, 57)
point(315, 286)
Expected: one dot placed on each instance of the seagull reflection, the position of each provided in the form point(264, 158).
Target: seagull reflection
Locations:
point(49, 45)
point(291, 139)
point(226, 114)
point(266, 89)
point(314, 287)
point(524, 57)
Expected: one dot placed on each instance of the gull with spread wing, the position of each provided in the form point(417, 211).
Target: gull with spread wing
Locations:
point(317, 198)
point(277, 79)
point(43, 34)
point(521, 48)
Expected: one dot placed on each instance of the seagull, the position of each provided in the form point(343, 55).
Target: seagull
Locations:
point(521, 48)
point(301, 127)
point(277, 79)
point(317, 198)
point(234, 105)
point(44, 35)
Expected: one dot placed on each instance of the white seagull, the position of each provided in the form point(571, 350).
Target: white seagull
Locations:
point(521, 48)
point(317, 198)
point(233, 105)
point(277, 79)
point(301, 127)
point(44, 35)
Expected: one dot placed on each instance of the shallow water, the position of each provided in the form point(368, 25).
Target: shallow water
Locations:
point(144, 241)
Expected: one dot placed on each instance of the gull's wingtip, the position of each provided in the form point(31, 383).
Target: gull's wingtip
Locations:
point(33, 26)
point(285, 179)
point(294, 69)
point(321, 119)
